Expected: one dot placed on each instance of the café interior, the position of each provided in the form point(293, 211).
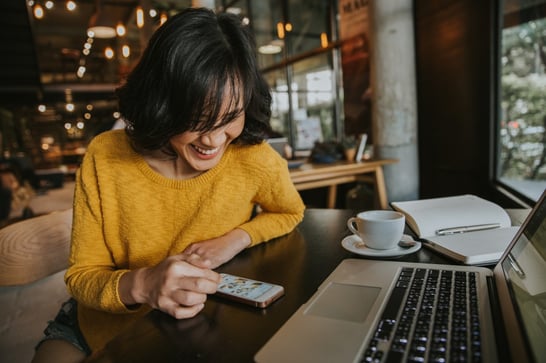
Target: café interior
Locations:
point(419, 85)
point(442, 119)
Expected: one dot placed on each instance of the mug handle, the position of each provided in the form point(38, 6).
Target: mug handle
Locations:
point(351, 225)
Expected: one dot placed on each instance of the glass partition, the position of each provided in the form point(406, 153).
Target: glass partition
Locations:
point(297, 55)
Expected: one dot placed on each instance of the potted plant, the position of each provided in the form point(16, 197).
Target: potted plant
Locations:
point(349, 144)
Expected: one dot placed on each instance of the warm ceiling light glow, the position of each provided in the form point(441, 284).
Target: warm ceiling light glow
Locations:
point(49, 4)
point(120, 29)
point(69, 107)
point(288, 27)
point(153, 13)
point(38, 11)
point(234, 10)
point(81, 71)
point(324, 40)
point(108, 52)
point(103, 32)
point(70, 5)
point(162, 18)
point(42, 108)
point(101, 24)
point(126, 51)
point(139, 17)
point(269, 49)
point(280, 30)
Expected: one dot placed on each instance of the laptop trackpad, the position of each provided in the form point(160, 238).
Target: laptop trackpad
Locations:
point(345, 302)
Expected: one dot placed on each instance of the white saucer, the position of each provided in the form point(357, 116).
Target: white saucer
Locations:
point(354, 244)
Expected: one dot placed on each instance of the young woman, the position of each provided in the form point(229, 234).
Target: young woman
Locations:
point(162, 203)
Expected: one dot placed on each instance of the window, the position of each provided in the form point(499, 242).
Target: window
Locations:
point(294, 41)
point(521, 135)
point(307, 106)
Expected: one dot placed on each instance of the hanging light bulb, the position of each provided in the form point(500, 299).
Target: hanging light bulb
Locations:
point(69, 106)
point(162, 18)
point(323, 40)
point(280, 30)
point(139, 16)
point(108, 52)
point(70, 5)
point(126, 51)
point(81, 71)
point(38, 11)
point(120, 29)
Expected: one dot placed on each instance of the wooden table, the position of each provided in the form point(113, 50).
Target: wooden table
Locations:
point(227, 331)
point(311, 176)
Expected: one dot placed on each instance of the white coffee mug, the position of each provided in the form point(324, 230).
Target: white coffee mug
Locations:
point(378, 229)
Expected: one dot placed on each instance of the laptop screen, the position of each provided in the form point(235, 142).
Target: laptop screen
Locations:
point(279, 144)
point(524, 267)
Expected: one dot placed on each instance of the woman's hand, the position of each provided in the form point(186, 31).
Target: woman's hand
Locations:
point(178, 285)
point(222, 249)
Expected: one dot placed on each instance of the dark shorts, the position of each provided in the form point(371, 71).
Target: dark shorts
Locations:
point(65, 327)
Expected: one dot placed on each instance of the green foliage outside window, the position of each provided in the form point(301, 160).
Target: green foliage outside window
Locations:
point(523, 123)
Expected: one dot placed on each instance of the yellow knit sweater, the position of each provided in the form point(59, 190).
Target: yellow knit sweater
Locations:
point(127, 216)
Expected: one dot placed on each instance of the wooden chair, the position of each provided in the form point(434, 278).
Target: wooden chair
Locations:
point(33, 259)
point(34, 248)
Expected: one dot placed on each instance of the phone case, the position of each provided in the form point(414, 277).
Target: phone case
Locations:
point(248, 291)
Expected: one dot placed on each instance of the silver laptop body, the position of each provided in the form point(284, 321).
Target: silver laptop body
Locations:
point(344, 318)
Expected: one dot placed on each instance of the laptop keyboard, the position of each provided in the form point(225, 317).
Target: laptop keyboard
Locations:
point(431, 316)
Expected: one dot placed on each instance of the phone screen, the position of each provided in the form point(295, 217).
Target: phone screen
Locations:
point(239, 286)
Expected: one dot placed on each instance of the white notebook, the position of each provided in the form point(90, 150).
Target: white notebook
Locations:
point(466, 228)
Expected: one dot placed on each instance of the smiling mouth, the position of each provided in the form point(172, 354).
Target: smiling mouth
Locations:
point(205, 151)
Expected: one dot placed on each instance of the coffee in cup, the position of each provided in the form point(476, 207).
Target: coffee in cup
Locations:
point(378, 229)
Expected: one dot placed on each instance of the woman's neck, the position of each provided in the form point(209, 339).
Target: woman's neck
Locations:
point(169, 166)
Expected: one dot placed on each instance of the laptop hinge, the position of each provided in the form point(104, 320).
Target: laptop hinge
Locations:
point(498, 323)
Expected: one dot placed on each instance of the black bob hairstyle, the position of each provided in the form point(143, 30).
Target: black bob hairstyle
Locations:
point(194, 63)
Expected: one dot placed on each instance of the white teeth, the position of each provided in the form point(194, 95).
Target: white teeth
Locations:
point(206, 152)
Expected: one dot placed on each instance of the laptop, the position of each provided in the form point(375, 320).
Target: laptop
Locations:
point(395, 311)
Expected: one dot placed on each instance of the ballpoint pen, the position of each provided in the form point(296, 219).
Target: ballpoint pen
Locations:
point(463, 229)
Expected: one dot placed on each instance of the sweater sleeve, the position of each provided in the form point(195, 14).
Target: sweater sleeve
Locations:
point(280, 203)
point(92, 277)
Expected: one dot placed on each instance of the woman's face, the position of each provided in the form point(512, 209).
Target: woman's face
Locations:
point(200, 152)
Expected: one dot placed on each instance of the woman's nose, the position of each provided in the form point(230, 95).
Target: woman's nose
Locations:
point(214, 138)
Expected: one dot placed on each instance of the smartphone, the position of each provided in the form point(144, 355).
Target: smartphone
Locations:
point(248, 291)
